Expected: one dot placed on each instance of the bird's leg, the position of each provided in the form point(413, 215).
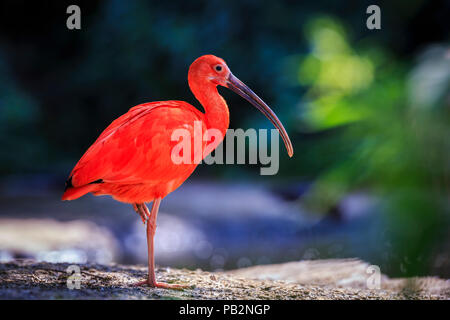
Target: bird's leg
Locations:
point(142, 210)
point(151, 229)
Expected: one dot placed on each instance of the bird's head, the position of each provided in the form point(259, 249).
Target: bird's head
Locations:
point(210, 68)
point(215, 71)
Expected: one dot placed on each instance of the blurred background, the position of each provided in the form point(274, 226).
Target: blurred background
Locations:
point(368, 112)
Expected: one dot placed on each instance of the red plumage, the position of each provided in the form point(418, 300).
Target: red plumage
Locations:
point(132, 156)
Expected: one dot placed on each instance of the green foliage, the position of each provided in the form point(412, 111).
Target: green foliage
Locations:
point(399, 151)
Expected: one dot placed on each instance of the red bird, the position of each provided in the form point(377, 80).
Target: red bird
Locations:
point(132, 159)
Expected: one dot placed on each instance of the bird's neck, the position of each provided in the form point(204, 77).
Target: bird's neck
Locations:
point(217, 115)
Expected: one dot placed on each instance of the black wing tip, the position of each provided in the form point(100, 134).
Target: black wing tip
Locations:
point(96, 181)
point(68, 184)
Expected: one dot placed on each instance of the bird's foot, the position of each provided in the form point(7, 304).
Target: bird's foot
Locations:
point(163, 285)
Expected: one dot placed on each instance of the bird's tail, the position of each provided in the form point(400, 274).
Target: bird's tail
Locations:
point(73, 193)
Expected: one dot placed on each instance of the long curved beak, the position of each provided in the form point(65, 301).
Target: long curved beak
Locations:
point(245, 92)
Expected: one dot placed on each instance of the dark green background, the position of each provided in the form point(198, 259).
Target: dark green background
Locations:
point(59, 89)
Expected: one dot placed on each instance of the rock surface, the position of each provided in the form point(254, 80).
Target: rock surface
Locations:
point(329, 279)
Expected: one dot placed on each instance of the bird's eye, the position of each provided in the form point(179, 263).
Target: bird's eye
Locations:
point(218, 68)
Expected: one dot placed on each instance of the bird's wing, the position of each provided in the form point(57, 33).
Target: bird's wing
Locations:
point(136, 146)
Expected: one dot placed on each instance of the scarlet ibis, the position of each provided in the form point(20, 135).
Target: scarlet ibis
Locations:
point(131, 159)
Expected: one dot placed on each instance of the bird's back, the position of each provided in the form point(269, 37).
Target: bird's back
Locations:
point(132, 158)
